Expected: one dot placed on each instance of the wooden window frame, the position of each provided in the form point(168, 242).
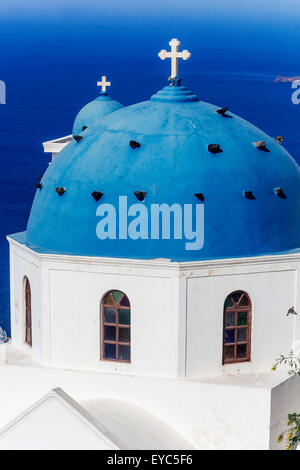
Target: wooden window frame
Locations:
point(117, 325)
point(27, 309)
point(235, 309)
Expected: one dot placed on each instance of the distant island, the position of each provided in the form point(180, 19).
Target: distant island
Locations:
point(280, 78)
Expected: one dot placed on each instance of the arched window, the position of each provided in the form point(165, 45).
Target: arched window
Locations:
point(115, 327)
point(237, 328)
point(28, 320)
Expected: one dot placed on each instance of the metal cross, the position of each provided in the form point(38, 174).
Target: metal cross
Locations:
point(174, 54)
point(103, 83)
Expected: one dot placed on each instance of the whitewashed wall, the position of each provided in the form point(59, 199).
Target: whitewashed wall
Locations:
point(271, 289)
point(176, 310)
point(23, 264)
point(66, 298)
point(285, 399)
point(75, 321)
point(231, 413)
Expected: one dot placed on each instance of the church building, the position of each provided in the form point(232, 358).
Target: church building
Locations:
point(150, 289)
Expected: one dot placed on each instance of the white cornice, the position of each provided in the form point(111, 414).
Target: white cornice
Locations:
point(158, 263)
point(56, 145)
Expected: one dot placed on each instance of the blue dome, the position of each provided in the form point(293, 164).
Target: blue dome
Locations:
point(90, 114)
point(172, 164)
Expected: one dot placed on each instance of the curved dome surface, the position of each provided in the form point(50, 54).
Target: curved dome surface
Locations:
point(172, 164)
point(89, 115)
point(133, 427)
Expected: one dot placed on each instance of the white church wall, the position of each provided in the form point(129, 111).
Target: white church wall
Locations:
point(176, 310)
point(285, 399)
point(75, 321)
point(271, 288)
point(24, 264)
point(297, 306)
point(66, 296)
point(219, 413)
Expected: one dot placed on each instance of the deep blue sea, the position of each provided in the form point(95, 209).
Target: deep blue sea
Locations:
point(51, 72)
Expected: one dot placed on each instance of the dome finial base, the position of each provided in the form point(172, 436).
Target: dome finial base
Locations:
point(175, 81)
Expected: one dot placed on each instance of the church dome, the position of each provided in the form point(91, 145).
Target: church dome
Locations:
point(172, 149)
point(90, 114)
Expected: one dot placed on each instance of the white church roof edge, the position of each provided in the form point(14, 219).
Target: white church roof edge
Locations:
point(67, 401)
point(291, 255)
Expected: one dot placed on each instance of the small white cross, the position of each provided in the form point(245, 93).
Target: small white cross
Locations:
point(174, 55)
point(103, 84)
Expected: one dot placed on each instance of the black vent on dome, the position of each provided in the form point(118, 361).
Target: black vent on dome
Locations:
point(249, 195)
point(222, 112)
point(133, 144)
point(280, 193)
point(39, 185)
point(78, 138)
point(214, 148)
point(84, 128)
point(261, 145)
point(60, 191)
point(199, 196)
point(176, 81)
point(97, 195)
point(140, 195)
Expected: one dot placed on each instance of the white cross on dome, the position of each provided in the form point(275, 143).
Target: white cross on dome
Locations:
point(103, 84)
point(174, 55)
